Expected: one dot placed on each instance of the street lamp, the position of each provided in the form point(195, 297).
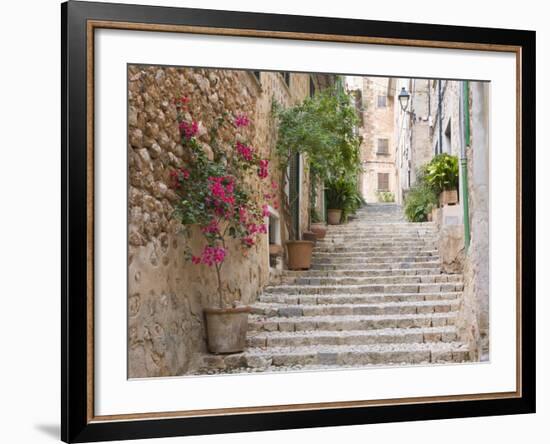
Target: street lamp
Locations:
point(404, 97)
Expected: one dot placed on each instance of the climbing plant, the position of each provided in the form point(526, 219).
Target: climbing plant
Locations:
point(215, 192)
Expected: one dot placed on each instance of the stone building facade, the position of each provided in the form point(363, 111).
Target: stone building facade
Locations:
point(434, 123)
point(474, 320)
point(166, 293)
point(376, 109)
point(413, 133)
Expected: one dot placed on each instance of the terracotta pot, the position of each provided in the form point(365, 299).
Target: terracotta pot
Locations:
point(448, 197)
point(299, 254)
point(319, 229)
point(275, 249)
point(226, 329)
point(334, 216)
point(309, 236)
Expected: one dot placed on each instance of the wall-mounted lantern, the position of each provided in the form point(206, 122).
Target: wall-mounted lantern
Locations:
point(404, 97)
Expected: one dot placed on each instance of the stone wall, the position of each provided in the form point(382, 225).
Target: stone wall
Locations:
point(450, 115)
point(420, 127)
point(475, 316)
point(166, 293)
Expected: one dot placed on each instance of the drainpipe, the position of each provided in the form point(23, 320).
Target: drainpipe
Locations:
point(464, 162)
point(439, 118)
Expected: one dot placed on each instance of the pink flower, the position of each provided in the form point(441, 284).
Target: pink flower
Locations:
point(241, 120)
point(222, 188)
point(174, 177)
point(274, 185)
point(211, 256)
point(185, 173)
point(262, 170)
point(189, 130)
point(265, 210)
point(212, 227)
point(244, 151)
point(196, 259)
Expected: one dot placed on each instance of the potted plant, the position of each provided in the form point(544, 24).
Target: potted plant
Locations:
point(442, 175)
point(318, 227)
point(217, 198)
point(342, 197)
point(419, 201)
point(322, 130)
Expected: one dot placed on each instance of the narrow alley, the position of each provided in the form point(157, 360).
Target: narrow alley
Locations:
point(375, 295)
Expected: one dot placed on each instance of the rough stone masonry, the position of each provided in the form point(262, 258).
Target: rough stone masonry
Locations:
point(166, 294)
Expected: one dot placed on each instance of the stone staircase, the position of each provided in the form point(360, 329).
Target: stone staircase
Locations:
point(375, 295)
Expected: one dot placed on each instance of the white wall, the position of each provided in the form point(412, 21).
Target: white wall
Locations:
point(30, 254)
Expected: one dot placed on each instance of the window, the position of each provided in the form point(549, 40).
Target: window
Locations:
point(383, 146)
point(381, 103)
point(383, 181)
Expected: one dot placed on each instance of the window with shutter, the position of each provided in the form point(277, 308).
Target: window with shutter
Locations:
point(294, 194)
point(383, 181)
point(383, 146)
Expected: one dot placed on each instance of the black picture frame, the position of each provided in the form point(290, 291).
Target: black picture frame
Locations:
point(76, 423)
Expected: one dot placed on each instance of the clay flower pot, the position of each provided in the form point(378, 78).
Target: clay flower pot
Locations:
point(226, 329)
point(448, 197)
point(319, 229)
point(334, 216)
point(309, 236)
point(299, 254)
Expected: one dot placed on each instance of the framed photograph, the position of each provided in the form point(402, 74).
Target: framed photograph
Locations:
point(275, 221)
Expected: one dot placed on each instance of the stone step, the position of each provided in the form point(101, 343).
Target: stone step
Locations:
point(368, 249)
point(395, 225)
point(356, 298)
point(384, 308)
point(351, 237)
point(291, 274)
point(353, 255)
point(376, 265)
point(365, 288)
point(373, 259)
point(349, 280)
point(350, 355)
point(362, 239)
point(362, 322)
point(353, 337)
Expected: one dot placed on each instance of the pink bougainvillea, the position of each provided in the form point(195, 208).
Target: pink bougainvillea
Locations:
point(244, 151)
point(242, 120)
point(263, 168)
point(210, 256)
point(217, 190)
point(189, 130)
